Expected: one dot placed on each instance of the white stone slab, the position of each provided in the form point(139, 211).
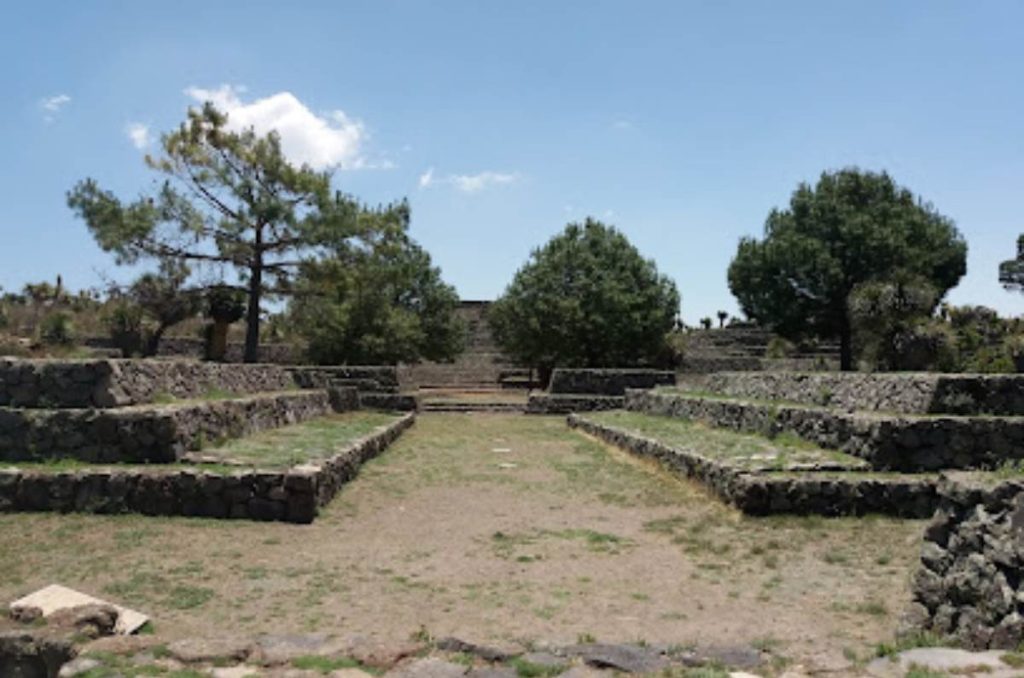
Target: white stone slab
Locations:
point(56, 597)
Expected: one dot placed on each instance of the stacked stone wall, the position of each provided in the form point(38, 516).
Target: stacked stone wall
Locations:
point(759, 494)
point(969, 585)
point(148, 433)
point(906, 393)
point(293, 496)
point(368, 378)
point(893, 443)
point(119, 383)
point(564, 403)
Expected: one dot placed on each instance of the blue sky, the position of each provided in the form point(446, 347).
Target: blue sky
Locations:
point(682, 123)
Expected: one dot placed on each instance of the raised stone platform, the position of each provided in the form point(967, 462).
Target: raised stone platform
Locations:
point(51, 384)
point(294, 495)
point(807, 491)
point(905, 393)
point(148, 433)
point(908, 443)
point(565, 403)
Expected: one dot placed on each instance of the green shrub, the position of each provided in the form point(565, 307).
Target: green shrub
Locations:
point(57, 329)
point(124, 324)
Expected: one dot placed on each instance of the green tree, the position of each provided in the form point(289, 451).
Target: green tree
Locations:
point(851, 228)
point(586, 299)
point(229, 199)
point(381, 302)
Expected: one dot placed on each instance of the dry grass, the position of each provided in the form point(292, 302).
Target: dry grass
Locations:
point(495, 527)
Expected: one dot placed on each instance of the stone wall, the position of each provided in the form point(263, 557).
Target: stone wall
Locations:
point(554, 403)
point(188, 347)
point(896, 443)
point(370, 378)
point(608, 382)
point(148, 433)
point(118, 383)
point(758, 493)
point(969, 585)
point(395, 402)
point(293, 496)
point(907, 393)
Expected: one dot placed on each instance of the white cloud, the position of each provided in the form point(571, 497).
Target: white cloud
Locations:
point(622, 124)
point(52, 105)
point(55, 103)
point(329, 140)
point(469, 183)
point(139, 134)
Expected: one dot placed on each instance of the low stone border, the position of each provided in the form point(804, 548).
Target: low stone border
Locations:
point(119, 383)
point(969, 585)
point(292, 496)
point(148, 433)
point(394, 402)
point(565, 403)
point(607, 381)
point(905, 393)
point(764, 493)
point(889, 442)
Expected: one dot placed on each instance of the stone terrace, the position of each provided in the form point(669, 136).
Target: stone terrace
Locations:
point(144, 418)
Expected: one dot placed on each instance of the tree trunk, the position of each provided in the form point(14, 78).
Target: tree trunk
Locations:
point(217, 341)
point(845, 346)
point(153, 342)
point(252, 316)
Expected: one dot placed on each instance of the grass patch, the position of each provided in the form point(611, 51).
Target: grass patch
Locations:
point(326, 665)
point(525, 669)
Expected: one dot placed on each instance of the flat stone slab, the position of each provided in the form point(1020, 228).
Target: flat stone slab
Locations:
point(945, 660)
point(55, 597)
point(430, 667)
point(627, 658)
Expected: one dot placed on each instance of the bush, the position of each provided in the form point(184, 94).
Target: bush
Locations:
point(57, 329)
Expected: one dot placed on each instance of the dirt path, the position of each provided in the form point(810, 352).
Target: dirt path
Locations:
point(492, 528)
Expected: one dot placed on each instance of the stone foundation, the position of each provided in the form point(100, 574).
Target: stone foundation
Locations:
point(293, 496)
point(760, 493)
point(148, 433)
point(889, 442)
point(969, 585)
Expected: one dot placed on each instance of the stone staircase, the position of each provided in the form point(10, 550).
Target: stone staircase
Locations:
point(742, 347)
point(482, 366)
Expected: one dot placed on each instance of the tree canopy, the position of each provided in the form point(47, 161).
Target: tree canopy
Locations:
point(379, 302)
point(851, 228)
point(586, 299)
point(229, 199)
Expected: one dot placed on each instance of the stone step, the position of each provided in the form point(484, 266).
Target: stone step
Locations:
point(473, 406)
point(890, 442)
